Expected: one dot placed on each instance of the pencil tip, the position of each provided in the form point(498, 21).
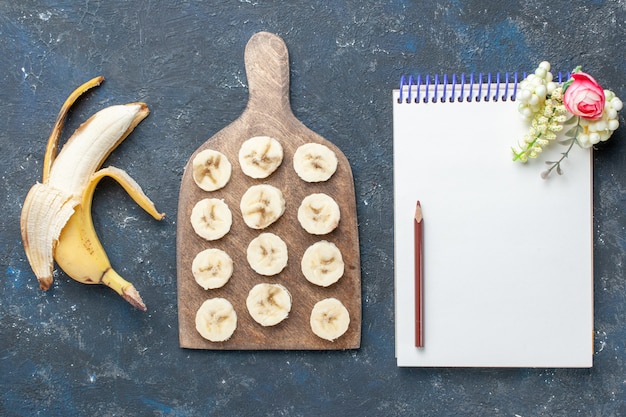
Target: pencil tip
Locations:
point(418, 211)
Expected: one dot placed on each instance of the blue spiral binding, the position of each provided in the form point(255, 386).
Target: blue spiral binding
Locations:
point(436, 89)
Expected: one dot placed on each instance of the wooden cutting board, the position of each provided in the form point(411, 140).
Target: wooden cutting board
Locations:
point(268, 113)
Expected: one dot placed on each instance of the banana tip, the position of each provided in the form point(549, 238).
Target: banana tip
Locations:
point(132, 296)
point(45, 283)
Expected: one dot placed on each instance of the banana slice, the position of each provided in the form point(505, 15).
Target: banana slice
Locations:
point(322, 263)
point(329, 319)
point(211, 218)
point(269, 304)
point(267, 254)
point(216, 320)
point(212, 268)
point(211, 170)
point(261, 205)
point(260, 156)
point(314, 162)
point(318, 214)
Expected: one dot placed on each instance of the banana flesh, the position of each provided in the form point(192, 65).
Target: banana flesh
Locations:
point(216, 320)
point(212, 268)
point(56, 219)
point(260, 156)
point(319, 214)
point(314, 162)
point(329, 319)
point(261, 205)
point(322, 263)
point(211, 218)
point(267, 254)
point(45, 212)
point(211, 170)
point(268, 304)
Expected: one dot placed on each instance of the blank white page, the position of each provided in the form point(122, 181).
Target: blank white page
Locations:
point(508, 256)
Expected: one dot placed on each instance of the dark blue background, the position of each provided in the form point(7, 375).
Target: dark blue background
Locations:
point(81, 350)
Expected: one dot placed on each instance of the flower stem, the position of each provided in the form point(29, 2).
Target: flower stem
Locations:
point(557, 164)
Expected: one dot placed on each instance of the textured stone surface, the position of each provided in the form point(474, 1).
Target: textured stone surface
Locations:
point(79, 350)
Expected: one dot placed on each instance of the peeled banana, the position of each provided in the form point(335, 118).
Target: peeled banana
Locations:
point(212, 268)
point(314, 162)
point(261, 205)
point(268, 304)
point(322, 263)
point(260, 156)
point(216, 320)
point(319, 214)
point(267, 254)
point(211, 170)
point(211, 218)
point(329, 319)
point(56, 219)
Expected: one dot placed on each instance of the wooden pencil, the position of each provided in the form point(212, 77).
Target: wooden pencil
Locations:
point(418, 234)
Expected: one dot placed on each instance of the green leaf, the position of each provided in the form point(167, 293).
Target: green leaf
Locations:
point(570, 121)
point(569, 82)
point(573, 132)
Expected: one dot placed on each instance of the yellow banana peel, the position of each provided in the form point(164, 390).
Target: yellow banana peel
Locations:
point(56, 223)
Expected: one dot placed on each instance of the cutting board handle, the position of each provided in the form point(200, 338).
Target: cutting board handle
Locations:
point(267, 68)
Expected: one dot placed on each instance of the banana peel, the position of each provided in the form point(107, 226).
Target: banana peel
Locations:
point(56, 223)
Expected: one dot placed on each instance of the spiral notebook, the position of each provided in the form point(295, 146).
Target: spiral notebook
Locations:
point(508, 256)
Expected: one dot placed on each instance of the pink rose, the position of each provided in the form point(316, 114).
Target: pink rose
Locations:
point(584, 97)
